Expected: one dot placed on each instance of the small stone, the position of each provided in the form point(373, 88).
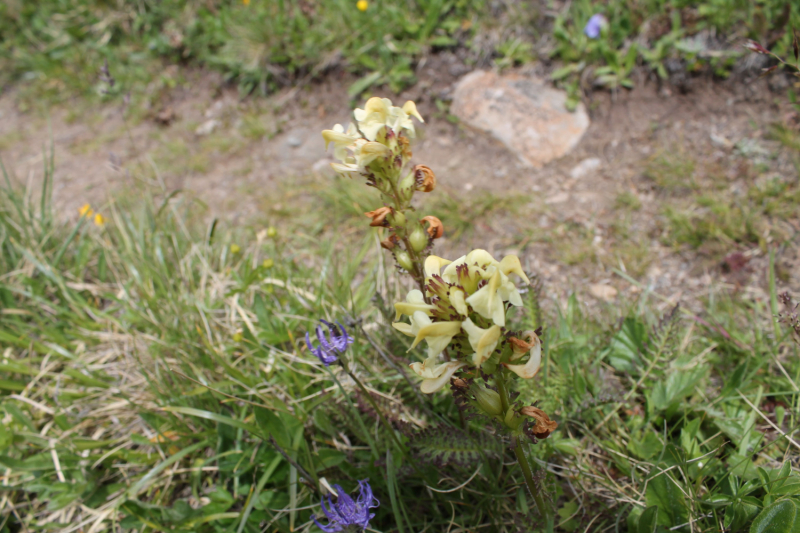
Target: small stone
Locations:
point(293, 141)
point(526, 114)
point(602, 291)
point(468, 187)
point(720, 141)
point(207, 127)
point(585, 167)
point(558, 198)
point(214, 109)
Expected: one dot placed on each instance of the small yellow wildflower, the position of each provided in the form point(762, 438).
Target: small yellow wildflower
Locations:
point(238, 336)
point(246, 2)
point(272, 232)
point(235, 248)
point(86, 211)
point(99, 220)
point(362, 5)
point(268, 263)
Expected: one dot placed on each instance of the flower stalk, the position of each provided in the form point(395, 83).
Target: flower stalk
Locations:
point(459, 310)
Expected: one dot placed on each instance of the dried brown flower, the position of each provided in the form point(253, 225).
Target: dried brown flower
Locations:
point(390, 243)
point(435, 228)
point(544, 426)
point(425, 178)
point(522, 346)
point(379, 216)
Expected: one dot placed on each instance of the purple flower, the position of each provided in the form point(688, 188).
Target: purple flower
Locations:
point(595, 26)
point(346, 512)
point(331, 345)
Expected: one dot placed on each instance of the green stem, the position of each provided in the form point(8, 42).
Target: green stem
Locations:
point(374, 405)
point(527, 473)
point(533, 488)
point(367, 434)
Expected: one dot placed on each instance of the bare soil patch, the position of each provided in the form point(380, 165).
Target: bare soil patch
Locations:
point(573, 221)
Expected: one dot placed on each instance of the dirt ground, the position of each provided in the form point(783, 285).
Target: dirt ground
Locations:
point(230, 153)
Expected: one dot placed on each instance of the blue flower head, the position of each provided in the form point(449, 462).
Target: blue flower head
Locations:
point(595, 25)
point(346, 514)
point(331, 345)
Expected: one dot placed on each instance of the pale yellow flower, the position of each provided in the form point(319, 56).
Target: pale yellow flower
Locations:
point(434, 378)
point(379, 113)
point(483, 341)
point(437, 334)
point(341, 139)
point(235, 248)
point(414, 302)
point(487, 303)
point(433, 265)
point(369, 152)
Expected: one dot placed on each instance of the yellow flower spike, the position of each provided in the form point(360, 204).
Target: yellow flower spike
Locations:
point(487, 303)
point(99, 220)
point(436, 377)
point(414, 302)
point(510, 264)
point(483, 341)
point(433, 265)
point(362, 5)
point(529, 369)
point(235, 248)
point(86, 211)
point(410, 108)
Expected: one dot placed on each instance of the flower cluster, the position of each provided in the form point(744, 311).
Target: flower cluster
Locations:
point(87, 212)
point(377, 148)
point(465, 305)
point(346, 512)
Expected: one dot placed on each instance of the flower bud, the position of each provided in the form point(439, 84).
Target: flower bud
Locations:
point(488, 400)
point(406, 186)
point(511, 420)
point(404, 260)
point(424, 178)
point(435, 228)
point(397, 219)
point(418, 239)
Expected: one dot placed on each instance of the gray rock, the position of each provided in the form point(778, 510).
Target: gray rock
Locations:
point(584, 168)
point(527, 114)
point(207, 127)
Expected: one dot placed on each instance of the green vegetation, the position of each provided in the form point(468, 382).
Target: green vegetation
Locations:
point(147, 363)
point(58, 48)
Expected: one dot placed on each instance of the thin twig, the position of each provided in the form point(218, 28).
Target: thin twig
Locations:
point(306, 476)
